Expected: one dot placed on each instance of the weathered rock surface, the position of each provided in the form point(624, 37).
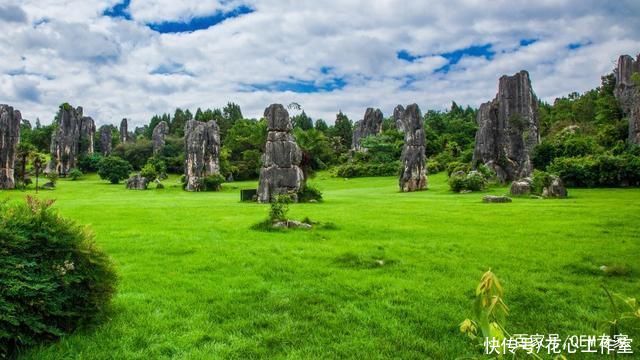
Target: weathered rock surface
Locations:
point(281, 172)
point(137, 182)
point(105, 140)
point(49, 186)
point(508, 129)
point(159, 134)
point(414, 170)
point(556, 189)
point(10, 120)
point(370, 125)
point(496, 199)
point(397, 117)
point(72, 139)
point(291, 224)
point(202, 151)
point(124, 131)
point(628, 94)
point(521, 187)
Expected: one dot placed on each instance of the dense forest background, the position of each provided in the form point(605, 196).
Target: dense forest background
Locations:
point(583, 141)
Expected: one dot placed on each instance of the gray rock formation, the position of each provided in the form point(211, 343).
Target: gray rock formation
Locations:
point(124, 131)
point(496, 199)
point(370, 125)
point(521, 187)
point(137, 182)
point(202, 151)
point(628, 94)
point(414, 170)
point(280, 173)
point(157, 138)
point(397, 117)
point(105, 140)
point(72, 139)
point(555, 189)
point(508, 129)
point(10, 120)
point(291, 224)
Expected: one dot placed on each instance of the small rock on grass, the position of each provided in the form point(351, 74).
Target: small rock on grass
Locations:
point(496, 199)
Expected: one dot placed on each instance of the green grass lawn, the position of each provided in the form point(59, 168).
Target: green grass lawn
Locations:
point(196, 282)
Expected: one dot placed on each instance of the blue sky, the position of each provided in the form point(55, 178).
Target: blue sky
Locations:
point(135, 58)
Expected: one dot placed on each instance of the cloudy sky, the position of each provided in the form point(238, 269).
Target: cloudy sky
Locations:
point(135, 58)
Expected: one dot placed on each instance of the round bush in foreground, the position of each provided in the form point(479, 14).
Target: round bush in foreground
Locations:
point(53, 278)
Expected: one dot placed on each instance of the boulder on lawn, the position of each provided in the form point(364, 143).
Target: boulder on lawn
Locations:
point(49, 186)
point(137, 182)
point(521, 187)
point(291, 224)
point(556, 189)
point(496, 199)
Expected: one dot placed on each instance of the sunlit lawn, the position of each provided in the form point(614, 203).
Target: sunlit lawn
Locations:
point(393, 279)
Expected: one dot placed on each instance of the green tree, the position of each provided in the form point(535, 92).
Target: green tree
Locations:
point(114, 169)
point(343, 129)
point(149, 172)
point(244, 145)
point(322, 126)
point(302, 121)
point(176, 126)
point(316, 150)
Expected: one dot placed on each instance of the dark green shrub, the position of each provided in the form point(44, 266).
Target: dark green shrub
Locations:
point(212, 182)
point(136, 153)
point(486, 172)
point(52, 177)
point(471, 181)
point(576, 171)
point(149, 172)
point(456, 166)
point(89, 163)
point(543, 155)
point(309, 193)
point(457, 181)
point(53, 278)
point(475, 181)
point(159, 166)
point(75, 174)
point(354, 169)
point(540, 180)
point(114, 169)
point(601, 170)
point(434, 167)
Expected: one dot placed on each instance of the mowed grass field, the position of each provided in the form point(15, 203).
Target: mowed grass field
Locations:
point(392, 278)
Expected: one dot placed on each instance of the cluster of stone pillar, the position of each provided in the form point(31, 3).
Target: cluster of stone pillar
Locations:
point(73, 138)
